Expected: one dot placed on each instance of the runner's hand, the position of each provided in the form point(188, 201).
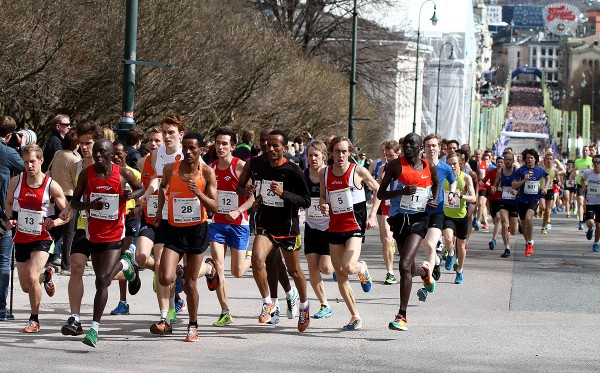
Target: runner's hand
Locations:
point(194, 188)
point(157, 218)
point(143, 200)
point(10, 224)
point(325, 208)
point(371, 222)
point(232, 215)
point(48, 224)
point(97, 204)
point(408, 190)
point(432, 205)
point(276, 189)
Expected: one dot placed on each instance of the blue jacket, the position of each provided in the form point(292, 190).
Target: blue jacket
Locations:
point(11, 164)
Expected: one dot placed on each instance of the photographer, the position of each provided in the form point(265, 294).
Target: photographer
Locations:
point(61, 124)
point(10, 163)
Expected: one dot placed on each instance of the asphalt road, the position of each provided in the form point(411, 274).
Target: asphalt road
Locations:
point(511, 315)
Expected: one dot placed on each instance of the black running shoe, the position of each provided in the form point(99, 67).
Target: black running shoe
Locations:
point(136, 283)
point(436, 273)
point(506, 253)
point(72, 327)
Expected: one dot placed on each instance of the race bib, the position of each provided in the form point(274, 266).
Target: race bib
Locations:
point(447, 203)
point(228, 201)
point(152, 206)
point(506, 193)
point(569, 184)
point(314, 211)
point(30, 221)
point(341, 201)
point(593, 190)
point(532, 187)
point(186, 210)
point(481, 173)
point(110, 211)
point(415, 202)
point(268, 197)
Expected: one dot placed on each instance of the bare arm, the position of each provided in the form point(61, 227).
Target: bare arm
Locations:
point(471, 197)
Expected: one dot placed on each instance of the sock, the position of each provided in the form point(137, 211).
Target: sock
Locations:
point(357, 316)
point(164, 314)
point(362, 269)
point(76, 317)
point(193, 323)
point(123, 302)
point(125, 265)
point(267, 300)
point(390, 273)
point(303, 305)
point(459, 270)
point(226, 310)
point(326, 304)
point(402, 312)
point(289, 294)
point(508, 247)
point(172, 302)
point(34, 318)
point(437, 260)
point(95, 326)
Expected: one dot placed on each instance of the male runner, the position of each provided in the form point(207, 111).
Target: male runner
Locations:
point(343, 198)
point(592, 195)
point(103, 185)
point(581, 164)
point(192, 190)
point(509, 214)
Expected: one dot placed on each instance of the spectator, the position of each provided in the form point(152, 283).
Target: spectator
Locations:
point(60, 169)
point(10, 164)
point(300, 152)
point(243, 150)
point(133, 140)
point(61, 124)
point(108, 133)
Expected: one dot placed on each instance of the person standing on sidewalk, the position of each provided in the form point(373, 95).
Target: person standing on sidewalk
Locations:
point(60, 125)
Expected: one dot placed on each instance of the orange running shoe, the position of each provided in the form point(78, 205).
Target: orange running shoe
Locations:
point(304, 319)
point(161, 328)
point(529, 249)
point(212, 278)
point(265, 313)
point(192, 334)
point(48, 283)
point(32, 327)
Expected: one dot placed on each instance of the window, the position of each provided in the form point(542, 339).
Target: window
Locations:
point(518, 54)
point(543, 51)
point(550, 51)
point(534, 51)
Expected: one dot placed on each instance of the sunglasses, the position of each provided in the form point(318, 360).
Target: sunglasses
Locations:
point(65, 124)
point(596, 162)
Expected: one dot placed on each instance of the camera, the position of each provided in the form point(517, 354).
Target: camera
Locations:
point(22, 138)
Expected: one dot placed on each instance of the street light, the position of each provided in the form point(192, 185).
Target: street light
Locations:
point(583, 84)
point(451, 58)
point(433, 20)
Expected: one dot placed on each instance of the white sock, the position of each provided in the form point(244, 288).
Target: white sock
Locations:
point(76, 317)
point(303, 305)
point(123, 301)
point(164, 314)
point(390, 273)
point(267, 300)
point(326, 304)
point(289, 294)
point(507, 247)
point(275, 301)
point(459, 271)
point(362, 269)
point(95, 326)
point(437, 260)
point(125, 264)
point(357, 316)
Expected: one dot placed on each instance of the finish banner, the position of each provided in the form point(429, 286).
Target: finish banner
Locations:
point(585, 120)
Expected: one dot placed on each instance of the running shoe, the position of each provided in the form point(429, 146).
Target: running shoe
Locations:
point(334, 276)
point(224, 320)
point(428, 280)
point(304, 319)
point(399, 323)
point(354, 324)
point(154, 282)
point(129, 273)
point(135, 284)
point(72, 327)
point(323, 312)
point(390, 279)
point(192, 334)
point(48, 283)
point(445, 255)
point(520, 228)
point(179, 279)
point(589, 234)
point(580, 226)
point(32, 327)
point(422, 294)
point(549, 226)
point(436, 273)
point(265, 313)
point(212, 278)
point(459, 278)
point(172, 315)
point(544, 231)
point(596, 247)
point(365, 278)
point(161, 328)
point(485, 226)
point(506, 253)
point(91, 338)
point(554, 210)
point(568, 215)
point(180, 305)
point(292, 304)
point(492, 244)
point(449, 262)
point(274, 315)
point(528, 249)
point(121, 309)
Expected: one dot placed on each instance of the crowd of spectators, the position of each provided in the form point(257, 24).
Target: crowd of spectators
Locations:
point(525, 104)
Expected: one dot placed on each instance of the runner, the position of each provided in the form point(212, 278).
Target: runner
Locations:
point(230, 223)
point(592, 195)
point(87, 134)
point(581, 164)
point(192, 190)
point(282, 191)
point(276, 270)
point(316, 245)
point(391, 151)
point(569, 189)
point(436, 217)
point(104, 186)
point(494, 195)
point(547, 201)
point(415, 182)
point(509, 214)
point(482, 204)
point(456, 221)
point(343, 198)
point(29, 203)
point(527, 179)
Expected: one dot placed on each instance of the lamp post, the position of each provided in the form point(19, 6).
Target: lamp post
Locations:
point(353, 73)
point(583, 84)
point(451, 58)
point(433, 20)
